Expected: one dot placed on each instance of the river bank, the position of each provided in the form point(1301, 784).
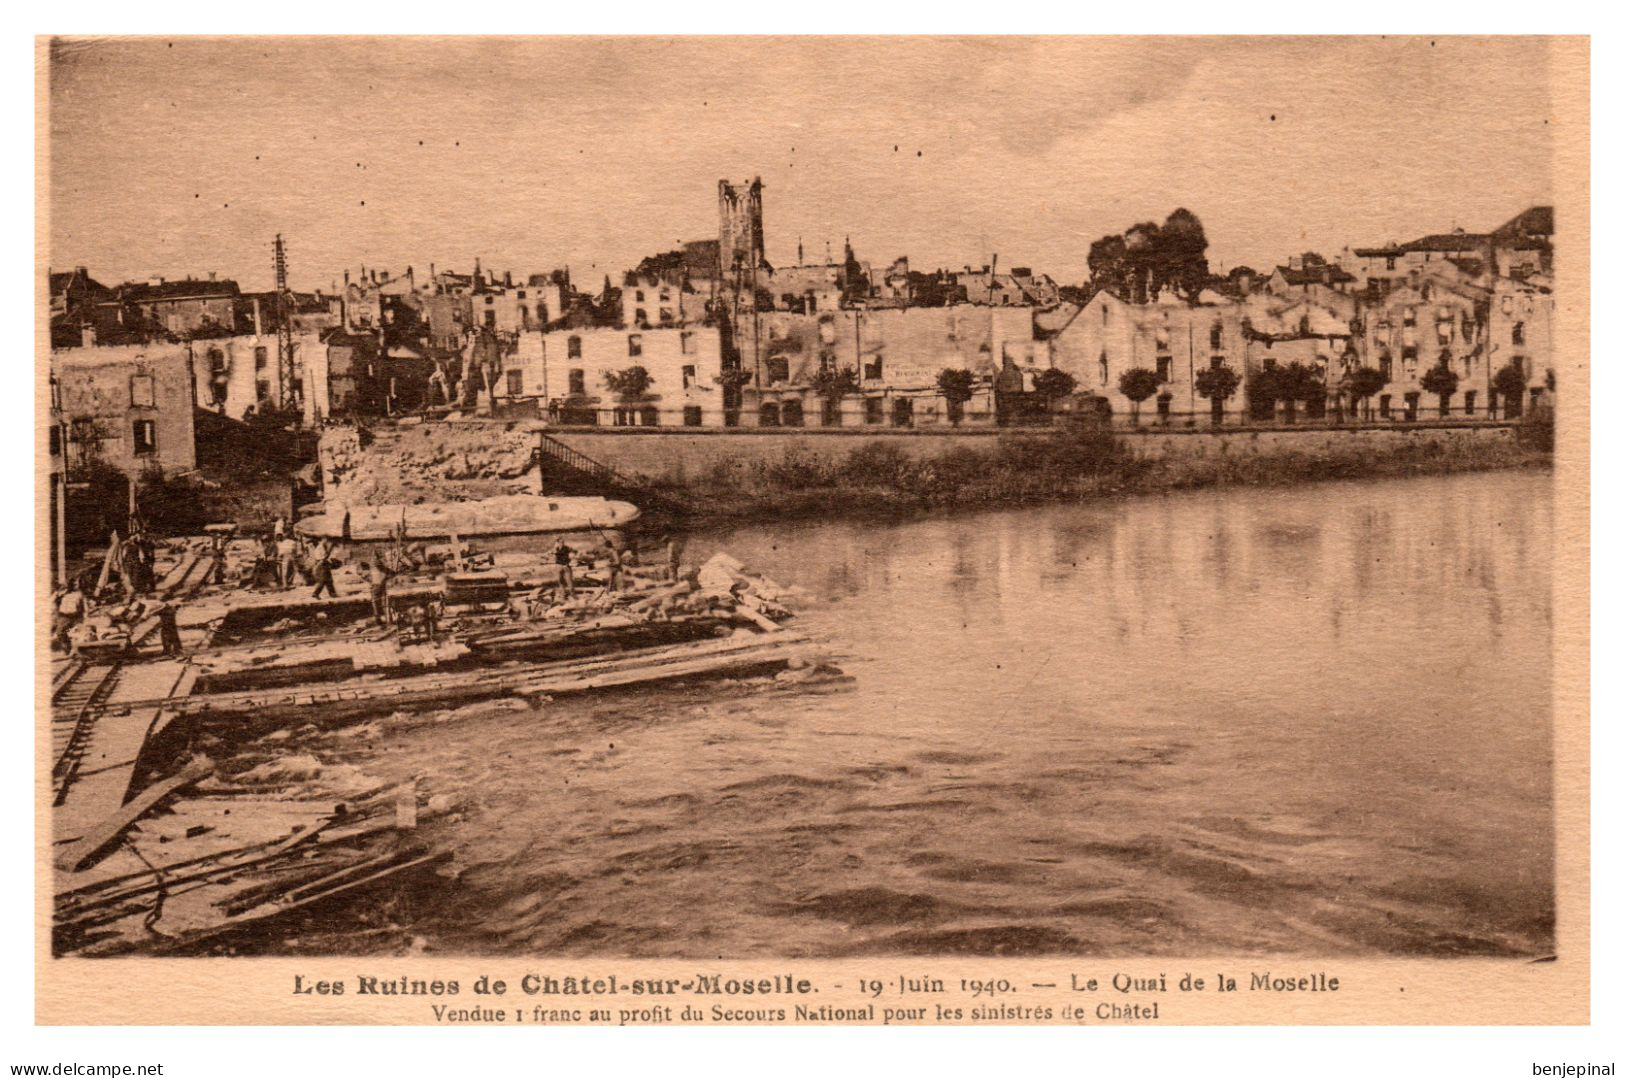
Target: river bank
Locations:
point(885, 481)
point(693, 478)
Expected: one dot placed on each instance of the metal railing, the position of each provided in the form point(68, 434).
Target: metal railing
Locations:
point(572, 458)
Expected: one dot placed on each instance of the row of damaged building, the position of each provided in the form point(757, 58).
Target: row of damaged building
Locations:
point(133, 405)
point(711, 334)
point(1474, 327)
point(84, 312)
point(774, 368)
point(725, 338)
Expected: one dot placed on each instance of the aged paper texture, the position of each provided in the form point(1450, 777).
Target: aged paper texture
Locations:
point(824, 531)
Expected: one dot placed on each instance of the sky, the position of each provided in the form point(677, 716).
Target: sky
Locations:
point(176, 157)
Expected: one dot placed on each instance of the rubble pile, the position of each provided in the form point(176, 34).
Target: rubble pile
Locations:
point(236, 852)
point(418, 463)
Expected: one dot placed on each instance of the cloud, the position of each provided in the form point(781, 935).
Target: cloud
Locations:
point(185, 156)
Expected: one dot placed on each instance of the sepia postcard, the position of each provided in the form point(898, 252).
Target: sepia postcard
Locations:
point(843, 531)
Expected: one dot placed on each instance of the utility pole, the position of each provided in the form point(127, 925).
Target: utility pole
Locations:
point(755, 321)
point(284, 325)
point(1190, 355)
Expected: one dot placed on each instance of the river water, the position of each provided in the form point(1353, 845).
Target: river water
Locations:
point(1303, 720)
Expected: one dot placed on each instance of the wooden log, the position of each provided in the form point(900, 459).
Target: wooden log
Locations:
point(255, 806)
point(653, 599)
point(766, 624)
point(327, 880)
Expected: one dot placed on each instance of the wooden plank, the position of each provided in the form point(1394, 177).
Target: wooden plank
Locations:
point(86, 893)
point(178, 573)
point(246, 806)
point(269, 910)
point(714, 664)
point(81, 853)
point(477, 682)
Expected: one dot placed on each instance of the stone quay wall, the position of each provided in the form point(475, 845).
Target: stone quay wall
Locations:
point(461, 460)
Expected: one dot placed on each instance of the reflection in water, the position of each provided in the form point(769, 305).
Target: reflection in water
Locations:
point(1309, 720)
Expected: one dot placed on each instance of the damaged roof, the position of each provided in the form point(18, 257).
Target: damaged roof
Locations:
point(149, 291)
point(1327, 274)
point(1535, 221)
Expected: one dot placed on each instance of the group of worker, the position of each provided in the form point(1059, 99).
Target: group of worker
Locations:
point(129, 575)
point(616, 558)
point(284, 560)
point(73, 615)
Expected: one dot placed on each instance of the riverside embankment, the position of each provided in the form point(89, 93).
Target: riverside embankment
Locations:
point(743, 474)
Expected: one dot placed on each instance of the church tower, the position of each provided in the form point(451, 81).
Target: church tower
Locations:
point(739, 211)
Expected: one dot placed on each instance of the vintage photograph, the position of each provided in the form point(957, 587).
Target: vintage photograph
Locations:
point(823, 498)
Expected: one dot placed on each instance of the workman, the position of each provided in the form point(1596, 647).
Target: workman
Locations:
point(287, 559)
point(674, 556)
point(217, 556)
point(265, 570)
point(139, 556)
point(68, 612)
point(168, 630)
point(323, 572)
point(562, 556)
point(378, 580)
